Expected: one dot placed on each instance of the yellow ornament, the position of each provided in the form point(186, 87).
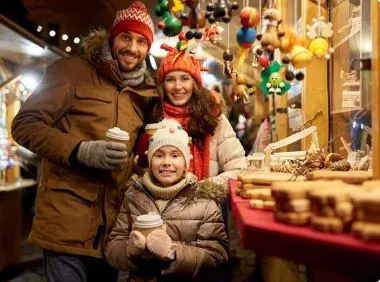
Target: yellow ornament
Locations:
point(300, 56)
point(319, 46)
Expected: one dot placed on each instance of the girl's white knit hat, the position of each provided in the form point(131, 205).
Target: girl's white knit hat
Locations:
point(170, 133)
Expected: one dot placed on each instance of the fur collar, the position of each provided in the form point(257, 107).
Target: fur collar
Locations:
point(196, 190)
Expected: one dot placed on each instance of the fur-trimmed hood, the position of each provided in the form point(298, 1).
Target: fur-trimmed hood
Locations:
point(208, 190)
point(92, 44)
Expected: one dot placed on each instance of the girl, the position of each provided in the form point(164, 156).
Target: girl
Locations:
point(193, 245)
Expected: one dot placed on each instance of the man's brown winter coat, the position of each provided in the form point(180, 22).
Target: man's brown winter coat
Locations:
point(79, 98)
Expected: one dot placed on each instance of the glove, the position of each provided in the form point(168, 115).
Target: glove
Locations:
point(102, 154)
point(136, 243)
point(159, 244)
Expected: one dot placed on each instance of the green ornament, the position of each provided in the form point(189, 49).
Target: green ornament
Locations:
point(272, 81)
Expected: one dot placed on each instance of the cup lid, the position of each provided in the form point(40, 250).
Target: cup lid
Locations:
point(153, 126)
point(117, 133)
point(149, 220)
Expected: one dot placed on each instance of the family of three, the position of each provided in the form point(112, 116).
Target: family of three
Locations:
point(88, 203)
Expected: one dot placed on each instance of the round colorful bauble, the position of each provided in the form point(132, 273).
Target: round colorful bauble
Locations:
point(264, 61)
point(246, 36)
point(319, 47)
point(300, 56)
point(171, 26)
point(249, 17)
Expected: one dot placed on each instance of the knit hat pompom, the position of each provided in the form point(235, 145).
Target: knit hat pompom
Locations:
point(136, 19)
point(170, 133)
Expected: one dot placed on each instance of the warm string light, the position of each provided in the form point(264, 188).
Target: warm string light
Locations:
point(64, 37)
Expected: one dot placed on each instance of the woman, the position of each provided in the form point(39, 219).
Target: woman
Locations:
point(217, 153)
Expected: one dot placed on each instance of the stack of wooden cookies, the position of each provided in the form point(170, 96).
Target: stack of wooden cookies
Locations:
point(351, 177)
point(256, 186)
point(331, 206)
point(367, 212)
point(292, 204)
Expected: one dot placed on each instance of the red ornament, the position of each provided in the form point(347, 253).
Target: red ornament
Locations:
point(264, 61)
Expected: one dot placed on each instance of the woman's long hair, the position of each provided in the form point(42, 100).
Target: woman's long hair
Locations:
point(203, 108)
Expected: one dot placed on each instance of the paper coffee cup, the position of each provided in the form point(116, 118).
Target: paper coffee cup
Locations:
point(117, 135)
point(151, 128)
point(147, 223)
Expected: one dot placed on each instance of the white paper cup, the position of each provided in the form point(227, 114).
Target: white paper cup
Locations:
point(151, 128)
point(147, 223)
point(117, 135)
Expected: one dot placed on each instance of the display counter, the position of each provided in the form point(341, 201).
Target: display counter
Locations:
point(11, 221)
point(341, 255)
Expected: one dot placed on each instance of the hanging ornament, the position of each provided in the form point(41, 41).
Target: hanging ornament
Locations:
point(245, 37)
point(170, 25)
point(249, 18)
point(220, 11)
point(273, 81)
point(270, 36)
point(319, 33)
point(196, 17)
point(242, 90)
point(228, 57)
point(176, 7)
point(213, 33)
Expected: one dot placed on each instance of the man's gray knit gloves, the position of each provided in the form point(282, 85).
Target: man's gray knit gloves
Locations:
point(102, 154)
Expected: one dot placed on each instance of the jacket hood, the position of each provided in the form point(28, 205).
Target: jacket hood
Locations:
point(92, 44)
point(209, 190)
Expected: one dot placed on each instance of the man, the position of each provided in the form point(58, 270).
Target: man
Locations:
point(65, 121)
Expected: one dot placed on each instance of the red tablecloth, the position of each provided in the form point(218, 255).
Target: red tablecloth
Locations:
point(340, 252)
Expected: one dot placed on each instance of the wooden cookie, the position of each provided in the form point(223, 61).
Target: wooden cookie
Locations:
point(327, 224)
point(331, 196)
point(297, 205)
point(353, 177)
point(366, 216)
point(293, 218)
point(322, 210)
point(367, 201)
point(366, 231)
point(260, 194)
point(345, 211)
point(262, 178)
point(291, 190)
point(262, 205)
point(371, 185)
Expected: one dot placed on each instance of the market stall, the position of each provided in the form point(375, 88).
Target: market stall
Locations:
point(22, 56)
point(335, 255)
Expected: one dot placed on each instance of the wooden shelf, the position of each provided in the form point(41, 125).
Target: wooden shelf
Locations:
point(20, 184)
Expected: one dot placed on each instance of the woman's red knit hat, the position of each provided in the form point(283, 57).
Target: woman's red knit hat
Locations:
point(179, 59)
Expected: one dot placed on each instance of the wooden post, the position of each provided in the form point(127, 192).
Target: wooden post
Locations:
point(281, 101)
point(375, 14)
point(315, 90)
point(13, 106)
point(261, 107)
